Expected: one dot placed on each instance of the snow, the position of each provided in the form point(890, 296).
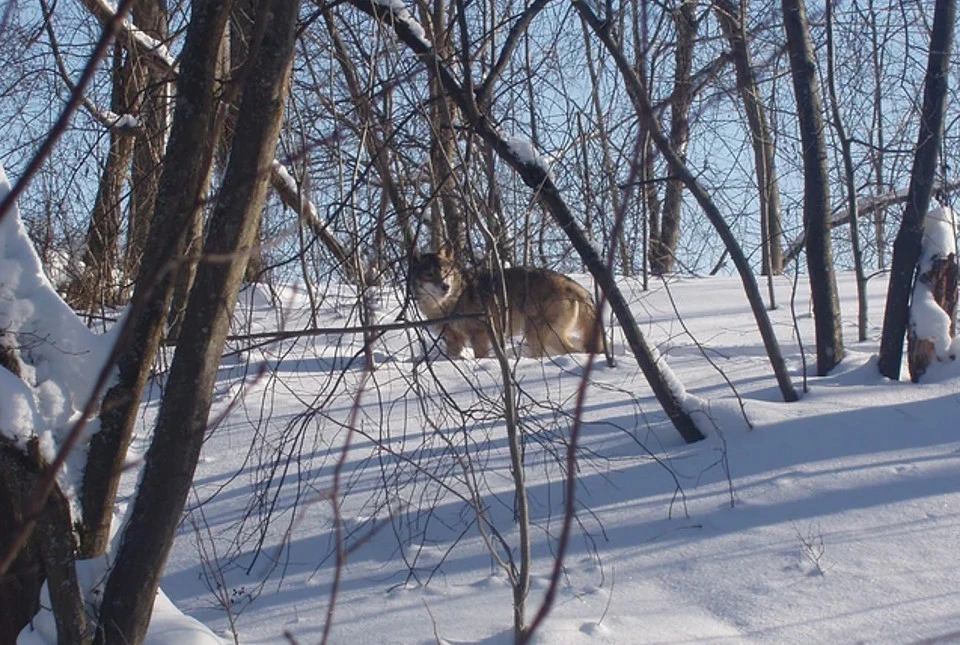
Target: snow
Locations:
point(61, 355)
point(939, 237)
point(829, 520)
point(400, 13)
point(292, 188)
point(927, 320)
point(104, 9)
point(125, 122)
point(528, 154)
point(168, 626)
point(837, 522)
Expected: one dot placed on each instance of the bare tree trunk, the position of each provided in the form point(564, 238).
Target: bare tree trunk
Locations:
point(150, 16)
point(663, 250)
point(97, 284)
point(173, 454)
point(906, 248)
point(49, 553)
point(187, 269)
point(609, 174)
point(816, 188)
point(180, 194)
point(880, 215)
point(237, 49)
point(849, 181)
point(449, 219)
point(732, 20)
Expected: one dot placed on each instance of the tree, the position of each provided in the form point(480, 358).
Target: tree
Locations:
point(663, 247)
point(732, 18)
point(816, 188)
point(906, 248)
point(173, 454)
point(536, 177)
point(97, 285)
point(153, 85)
point(180, 195)
point(849, 179)
point(645, 113)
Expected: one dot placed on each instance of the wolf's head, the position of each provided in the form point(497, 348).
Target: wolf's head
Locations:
point(435, 279)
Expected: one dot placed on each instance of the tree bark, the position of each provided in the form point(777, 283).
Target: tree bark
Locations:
point(97, 285)
point(906, 248)
point(181, 424)
point(49, 553)
point(150, 16)
point(180, 194)
point(816, 188)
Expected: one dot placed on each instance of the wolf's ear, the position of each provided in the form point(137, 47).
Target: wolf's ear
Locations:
point(445, 252)
point(415, 256)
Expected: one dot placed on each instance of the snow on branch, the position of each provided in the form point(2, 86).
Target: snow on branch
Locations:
point(401, 15)
point(59, 354)
point(939, 237)
point(527, 154)
point(152, 49)
point(293, 197)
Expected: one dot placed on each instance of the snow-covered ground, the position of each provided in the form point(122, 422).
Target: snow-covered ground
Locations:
point(832, 520)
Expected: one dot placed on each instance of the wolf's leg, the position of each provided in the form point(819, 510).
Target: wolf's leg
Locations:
point(481, 344)
point(454, 341)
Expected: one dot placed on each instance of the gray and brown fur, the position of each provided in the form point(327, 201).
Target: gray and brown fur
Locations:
point(554, 314)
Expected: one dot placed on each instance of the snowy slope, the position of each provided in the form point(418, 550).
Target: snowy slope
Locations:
point(832, 520)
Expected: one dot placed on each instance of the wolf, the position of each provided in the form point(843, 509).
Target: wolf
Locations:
point(554, 314)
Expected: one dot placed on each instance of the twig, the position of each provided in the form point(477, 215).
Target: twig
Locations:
point(110, 29)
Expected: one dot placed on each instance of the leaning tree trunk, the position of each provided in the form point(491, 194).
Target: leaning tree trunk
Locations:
point(536, 177)
point(816, 188)
point(906, 248)
point(172, 458)
point(641, 103)
point(181, 190)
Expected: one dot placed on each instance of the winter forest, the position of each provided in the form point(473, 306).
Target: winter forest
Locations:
point(228, 416)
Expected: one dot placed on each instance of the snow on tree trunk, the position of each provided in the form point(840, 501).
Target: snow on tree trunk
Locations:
point(933, 306)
